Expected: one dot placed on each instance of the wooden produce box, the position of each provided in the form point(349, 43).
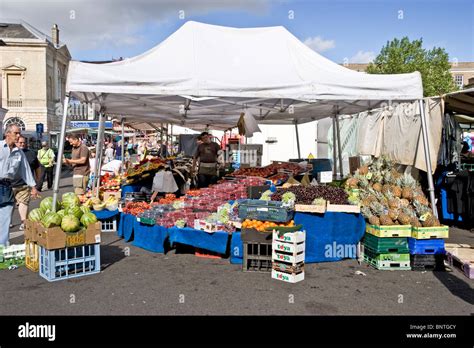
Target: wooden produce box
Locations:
point(306, 208)
point(343, 208)
point(288, 277)
point(430, 232)
point(389, 231)
point(56, 238)
point(293, 237)
point(31, 230)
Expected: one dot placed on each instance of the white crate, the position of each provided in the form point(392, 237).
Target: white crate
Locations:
point(109, 225)
point(288, 247)
point(293, 259)
point(287, 277)
point(293, 237)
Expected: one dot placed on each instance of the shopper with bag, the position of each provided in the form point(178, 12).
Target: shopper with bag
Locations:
point(13, 164)
point(46, 160)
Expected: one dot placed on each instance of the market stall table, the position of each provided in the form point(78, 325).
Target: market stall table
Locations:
point(105, 214)
point(327, 236)
point(216, 242)
point(149, 237)
point(125, 228)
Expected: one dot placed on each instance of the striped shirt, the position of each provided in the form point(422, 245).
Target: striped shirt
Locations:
point(13, 164)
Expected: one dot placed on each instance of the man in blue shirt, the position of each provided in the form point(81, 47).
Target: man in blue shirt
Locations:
point(13, 164)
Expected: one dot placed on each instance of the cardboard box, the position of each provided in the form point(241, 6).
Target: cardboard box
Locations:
point(325, 177)
point(343, 208)
point(30, 230)
point(307, 208)
point(293, 237)
point(288, 258)
point(288, 247)
point(288, 277)
point(56, 238)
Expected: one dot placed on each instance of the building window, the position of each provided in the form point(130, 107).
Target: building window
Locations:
point(15, 120)
point(459, 80)
point(14, 98)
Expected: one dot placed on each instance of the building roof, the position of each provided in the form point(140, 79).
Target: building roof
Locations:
point(19, 29)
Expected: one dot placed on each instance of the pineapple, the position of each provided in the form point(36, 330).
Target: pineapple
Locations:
point(421, 199)
point(367, 213)
point(386, 189)
point(352, 183)
point(408, 186)
point(404, 202)
point(393, 202)
point(406, 213)
point(377, 187)
point(364, 170)
point(414, 222)
point(393, 213)
point(363, 182)
point(431, 221)
point(385, 220)
point(396, 188)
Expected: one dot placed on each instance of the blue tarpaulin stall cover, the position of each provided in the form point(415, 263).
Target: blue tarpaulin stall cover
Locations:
point(151, 238)
point(331, 236)
point(125, 228)
point(216, 242)
point(105, 214)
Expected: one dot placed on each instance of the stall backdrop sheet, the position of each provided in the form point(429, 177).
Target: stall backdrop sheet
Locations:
point(105, 214)
point(216, 242)
point(151, 238)
point(327, 233)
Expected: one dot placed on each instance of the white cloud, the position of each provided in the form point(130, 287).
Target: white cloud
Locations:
point(318, 44)
point(106, 24)
point(362, 57)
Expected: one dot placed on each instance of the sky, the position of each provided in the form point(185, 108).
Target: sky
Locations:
point(344, 31)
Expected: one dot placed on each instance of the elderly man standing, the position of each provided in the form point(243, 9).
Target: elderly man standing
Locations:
point(13, 164)
point(21, 190)
point(46, 160)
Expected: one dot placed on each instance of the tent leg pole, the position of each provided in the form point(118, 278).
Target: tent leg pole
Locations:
point(338, 131)
point(429, 171)
point(123, 149)
point(334, 159)
point(59, 160)
point(98, 154)
point(298, 140)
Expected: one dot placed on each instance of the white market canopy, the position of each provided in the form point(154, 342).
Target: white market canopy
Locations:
point(206, 75)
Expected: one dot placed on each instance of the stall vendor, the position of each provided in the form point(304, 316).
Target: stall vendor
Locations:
point(207, 153)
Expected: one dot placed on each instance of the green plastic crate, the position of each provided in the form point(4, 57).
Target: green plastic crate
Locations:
point(386, 257)
point(256, 209)
point(386, 245)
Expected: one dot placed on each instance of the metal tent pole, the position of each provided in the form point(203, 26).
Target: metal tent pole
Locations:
point(339, 148)
point(98, 153)
point(123, 149)
point(334, 159)
point(297, 139)
point(429, 171)
point(59, 160)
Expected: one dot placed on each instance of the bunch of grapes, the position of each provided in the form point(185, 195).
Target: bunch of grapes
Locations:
point(307, 194)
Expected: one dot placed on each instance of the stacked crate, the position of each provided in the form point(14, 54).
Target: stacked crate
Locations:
point(427, 248)
point(288, 256)
point(257, 245)
point(386, 247)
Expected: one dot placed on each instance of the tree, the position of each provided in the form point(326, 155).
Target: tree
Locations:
point(405, 56)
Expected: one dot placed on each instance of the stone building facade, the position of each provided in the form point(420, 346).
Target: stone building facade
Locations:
point(33, 68)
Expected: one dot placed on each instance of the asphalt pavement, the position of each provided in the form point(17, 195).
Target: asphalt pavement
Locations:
point(134, 281)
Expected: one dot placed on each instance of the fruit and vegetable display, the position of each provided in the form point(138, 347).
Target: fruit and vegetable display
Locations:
point(388, 197)
point(136, 208)
point(70, 215)
point(315, 195)
point(96, 204)
point(110, 183)
point(146, 165)
point(271, 170)
point(263, 226)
